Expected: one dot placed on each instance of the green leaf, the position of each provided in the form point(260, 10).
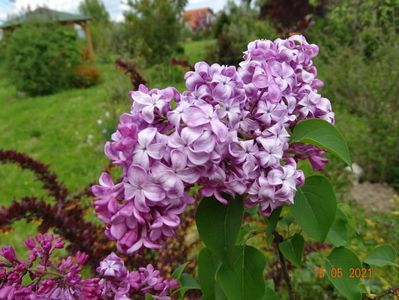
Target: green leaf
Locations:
point(272, 221)
point(338, 266)
point(187, 282)
point(149, 297)
point(324, 135)
point(382, 256)
point(270, 294)
point(244, 279)
point(218, 225)
point(338, 233)
point(315, 206)
point(179, 270)
point(287, 221)
point(208, 265)
point(292, 249)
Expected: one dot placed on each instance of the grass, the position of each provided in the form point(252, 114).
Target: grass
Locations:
point(196, 50)
point(52, 129)
point(61, 130)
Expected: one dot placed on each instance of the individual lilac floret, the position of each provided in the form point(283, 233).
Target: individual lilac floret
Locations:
point(228, 133)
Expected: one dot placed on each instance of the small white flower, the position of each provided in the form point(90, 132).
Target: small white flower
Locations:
point(90, 139)
point(99, 121)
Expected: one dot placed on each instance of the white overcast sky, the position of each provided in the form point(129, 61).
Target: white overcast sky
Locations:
point(114, 7)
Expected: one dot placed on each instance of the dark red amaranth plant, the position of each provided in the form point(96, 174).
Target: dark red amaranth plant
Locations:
point(49, 179)
point(182, 63)
point(68, 218)
point(130, 70)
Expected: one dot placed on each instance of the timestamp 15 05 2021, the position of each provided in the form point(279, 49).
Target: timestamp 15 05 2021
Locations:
point(351, 273)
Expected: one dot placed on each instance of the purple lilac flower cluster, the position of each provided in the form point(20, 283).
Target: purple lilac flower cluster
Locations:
point(228, 132)
point(40, 277)
point(120, 284)
point(49, 279)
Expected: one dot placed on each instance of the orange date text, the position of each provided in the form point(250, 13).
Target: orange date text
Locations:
point(351, 273)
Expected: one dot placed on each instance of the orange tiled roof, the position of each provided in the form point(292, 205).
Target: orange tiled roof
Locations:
point(196, 17)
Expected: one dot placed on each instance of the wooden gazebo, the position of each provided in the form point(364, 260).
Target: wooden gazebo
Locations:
point(43, 14)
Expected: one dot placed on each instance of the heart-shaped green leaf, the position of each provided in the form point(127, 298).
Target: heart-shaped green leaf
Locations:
point(382, 256)
point(292, 249)
point(338, 233)
point(208, 265)
point(218, 224)
point(244, 279)
point(324, 135)
point(315, 206)
point(338, 266)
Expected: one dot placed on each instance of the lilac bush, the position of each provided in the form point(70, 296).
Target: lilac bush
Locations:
point(234, 137)
point(228, 133)
point(61, 279)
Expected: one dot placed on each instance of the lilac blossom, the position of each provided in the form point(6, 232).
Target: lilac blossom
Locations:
point(42, 276)
point(228, 133)
point(49, 279)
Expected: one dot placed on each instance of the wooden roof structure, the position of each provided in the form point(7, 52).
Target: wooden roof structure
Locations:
point(44, 14)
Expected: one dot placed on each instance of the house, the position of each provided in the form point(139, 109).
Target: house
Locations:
point(46, 15)
point(199, 19)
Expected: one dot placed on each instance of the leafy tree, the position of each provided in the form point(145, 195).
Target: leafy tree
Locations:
point(102, 29)
point(234, 29)
point(95, 9)
point(153, 29)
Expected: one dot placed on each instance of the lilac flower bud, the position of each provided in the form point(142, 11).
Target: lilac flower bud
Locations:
point(30, 243)
point(8, 253)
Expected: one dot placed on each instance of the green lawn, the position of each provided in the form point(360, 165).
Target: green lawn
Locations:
point(196, 50)
point(55, 130)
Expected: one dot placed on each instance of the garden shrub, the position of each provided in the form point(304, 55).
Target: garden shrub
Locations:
point(234, 33)
point(153, 29)
point(2, 52)
point(367, 87)
point(161, 74)
point(86, 76)
point(358, 62)
point(41, 58)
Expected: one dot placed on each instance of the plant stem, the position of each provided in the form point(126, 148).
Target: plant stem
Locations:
point(278, 239)
point(394, 291)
